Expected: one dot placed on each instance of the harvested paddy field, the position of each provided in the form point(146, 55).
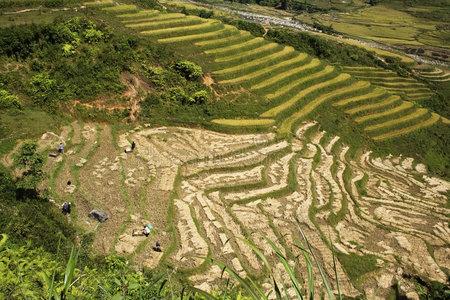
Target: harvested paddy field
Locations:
point(205, 192)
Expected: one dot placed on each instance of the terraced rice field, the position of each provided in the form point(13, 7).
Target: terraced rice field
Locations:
point(409, 87)
point(388, 25)
point(295, 83)
point(204, 191)
point(99, 3)
point(436, 75)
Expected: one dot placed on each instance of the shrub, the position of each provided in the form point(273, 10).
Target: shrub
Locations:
point(254, 28)
point(205, 13)
point(43, 90)
point(199, 97)
point(32, 162)
point(164, 79)
point(188, 69)
point(7, 185)
point(8, 100)
point(176, 95)
point(152, 99)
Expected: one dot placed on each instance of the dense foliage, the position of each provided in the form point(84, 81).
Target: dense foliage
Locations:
point(66, 59)
point(254, 28)
point(31, 219)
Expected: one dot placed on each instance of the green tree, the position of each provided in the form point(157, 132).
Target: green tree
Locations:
point(43, 90)
point(29, 160)
point(188, 69)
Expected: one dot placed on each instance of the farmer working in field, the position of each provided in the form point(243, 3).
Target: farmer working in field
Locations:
point(66, 208)
point(147, 230)
point(61, 148)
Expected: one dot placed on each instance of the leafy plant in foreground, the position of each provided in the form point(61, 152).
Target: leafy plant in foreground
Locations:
point(254, 289)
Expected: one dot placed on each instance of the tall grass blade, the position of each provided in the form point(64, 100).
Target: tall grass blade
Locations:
point(264, 259)
point(286, 295)
point(207, 296)
point(309, 267)
point(103, 289)
point(335, 268)
point(226, 289)
point(277, 290)
point(21, 281)
point(330, 293)
point(287, 268)
point(259, 253)
point(182, 293)
point(161, 287)
point(257, 288)
point(52, 291)
point(154, 282)
point(374, 294)
point(239, 279)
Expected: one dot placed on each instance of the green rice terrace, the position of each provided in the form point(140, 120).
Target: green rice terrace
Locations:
point(304, 178)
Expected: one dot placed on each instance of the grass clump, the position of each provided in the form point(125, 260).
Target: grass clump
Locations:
point(356, 266)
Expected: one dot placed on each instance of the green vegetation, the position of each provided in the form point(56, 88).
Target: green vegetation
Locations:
point(97, 67)
point(31, 162)
point(322, 48)
point(45, 3)
point(356, 266)
point(7, 100)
